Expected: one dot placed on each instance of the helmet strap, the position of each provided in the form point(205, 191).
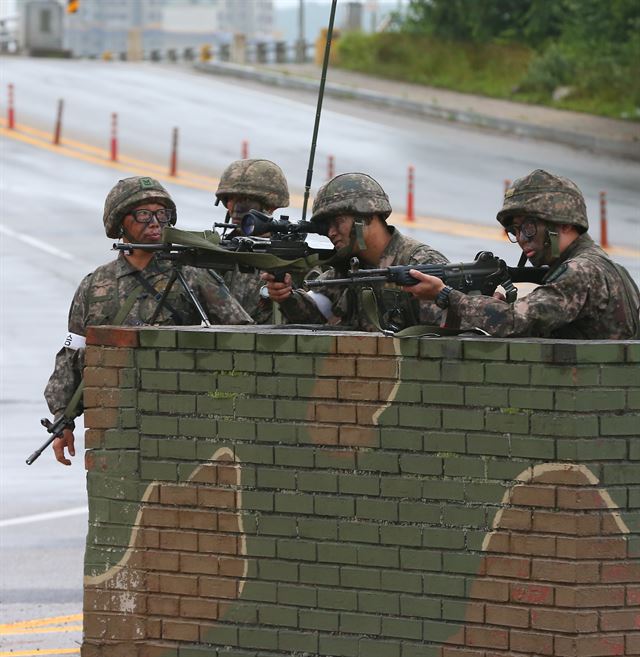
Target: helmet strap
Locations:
point(553, 239)
point(357, 234)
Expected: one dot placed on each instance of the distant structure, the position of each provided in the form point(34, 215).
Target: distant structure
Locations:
point(98, 26)
point(41, 28)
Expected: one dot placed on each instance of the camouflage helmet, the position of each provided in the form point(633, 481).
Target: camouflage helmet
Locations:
point(350, 193)
point(545, 196)
point(128, 193)
point(261, 179)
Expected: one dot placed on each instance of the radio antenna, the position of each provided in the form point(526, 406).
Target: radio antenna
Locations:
point(316, 126)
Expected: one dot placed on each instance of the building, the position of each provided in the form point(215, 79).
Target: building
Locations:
point(100, 26)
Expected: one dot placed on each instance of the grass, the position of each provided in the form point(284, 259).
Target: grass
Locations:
point(510, 71)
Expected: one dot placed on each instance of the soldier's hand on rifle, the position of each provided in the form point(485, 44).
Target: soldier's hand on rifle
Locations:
point(427, 288)
point(67, 441)
point(278, 291)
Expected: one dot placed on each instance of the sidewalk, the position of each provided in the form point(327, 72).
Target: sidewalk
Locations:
point(598, 134)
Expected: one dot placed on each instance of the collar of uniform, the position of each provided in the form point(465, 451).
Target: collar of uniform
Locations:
point(392, 246)
point(578, 245)
point(125, 268)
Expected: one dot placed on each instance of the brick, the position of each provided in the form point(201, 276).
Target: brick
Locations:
point(420, 416)
point(313, 619)
point(591, 548)
point(581, 377)
point(487, 396)
point(377, 368)
point(297, 642)
point(335, 366)
point(379, 602)
point(328, 389)
point(531, 398)
point(360, 624)
point(300, 596)
point(449, 441)
point(359, 532)
point(337, 599)
point(566, 621)
point(401, 439)
point(216, 361)
point(466, 419)
point(360, 578)
point(337, 553)
point(507, 373)
point(420, 370)
point(154, 380)
point(487, 443)
point(460, 466)
point(376, 509)
point(357, 484)
point(403, 628)
point(511, 567)
point(531, 643)
point(339, 646)
point(620, 620)
point(318, 528)
point(621, 571)
point(361, 344)
point(488, 589)
point(316, 344)
point(531, 593)
point(550, 570)
point(487, 637)
point(419, 464)
point(620, 425)
point(273, 342)
point(589, 596)
point(602, 399)
point(277, 615)
point(443, 394)
point(157, 338)
point(619, 375)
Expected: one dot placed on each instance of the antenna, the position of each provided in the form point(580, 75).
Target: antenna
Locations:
point(316, 126)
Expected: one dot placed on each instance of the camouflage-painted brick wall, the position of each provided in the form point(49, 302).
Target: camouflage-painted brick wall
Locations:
point(260, 493)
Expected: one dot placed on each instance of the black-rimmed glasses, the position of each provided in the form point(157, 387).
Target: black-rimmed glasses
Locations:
point(528, 228)
point(163, 216)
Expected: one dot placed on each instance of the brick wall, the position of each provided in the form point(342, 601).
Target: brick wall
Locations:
point(257, 493)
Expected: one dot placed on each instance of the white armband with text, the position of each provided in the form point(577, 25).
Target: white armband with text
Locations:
point(74, 341)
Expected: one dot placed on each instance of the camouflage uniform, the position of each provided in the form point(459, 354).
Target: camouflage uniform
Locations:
point(263, 181)
point(362, 196)
point(102, 293)
point(585, 295)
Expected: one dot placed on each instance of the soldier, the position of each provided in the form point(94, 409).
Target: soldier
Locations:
point(352, 210)
point(136, 210)
point(584, 295)
point(251, 185)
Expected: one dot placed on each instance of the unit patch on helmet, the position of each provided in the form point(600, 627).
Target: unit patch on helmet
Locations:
point(147, 183)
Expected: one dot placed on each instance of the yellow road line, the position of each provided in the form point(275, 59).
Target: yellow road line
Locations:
point(37, 651)
point(94, 155)
point(38, 622)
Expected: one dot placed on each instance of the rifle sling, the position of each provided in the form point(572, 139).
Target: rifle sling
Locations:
point(421, 330)
point(177, 318)
point(71, 411)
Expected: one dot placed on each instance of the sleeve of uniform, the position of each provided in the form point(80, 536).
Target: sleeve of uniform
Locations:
point(425, 255)
point(219, 304)
point(546, 308)
point(67, 371)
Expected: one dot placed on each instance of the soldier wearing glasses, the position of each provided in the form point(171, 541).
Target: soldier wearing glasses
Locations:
point(136, 210)
point(584, 295)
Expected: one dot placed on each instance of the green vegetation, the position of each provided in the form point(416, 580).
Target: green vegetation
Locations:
point(585, 53)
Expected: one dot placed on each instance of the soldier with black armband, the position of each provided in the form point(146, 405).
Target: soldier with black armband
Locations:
point(352, 211)
point(127, 290)
point(583, 296)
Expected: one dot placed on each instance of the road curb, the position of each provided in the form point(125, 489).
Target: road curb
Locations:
point(594, 143)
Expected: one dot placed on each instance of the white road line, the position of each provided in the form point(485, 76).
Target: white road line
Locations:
point(39, 517)
point(38, 244)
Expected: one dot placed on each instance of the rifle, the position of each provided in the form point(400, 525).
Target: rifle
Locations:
point(207, 250)
point(482, 276)
point(55, 429)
